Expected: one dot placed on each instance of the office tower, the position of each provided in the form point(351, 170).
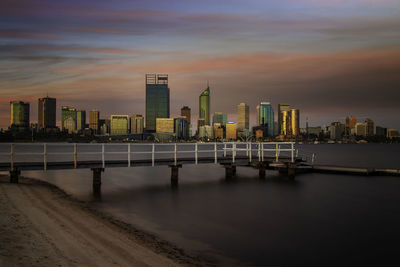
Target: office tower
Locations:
point(185, 111)
point(165, 125)
point(266, 117)
point(295, 121)
point(231, 131)
point(68, 119)
point(104, 126)
point(218, 131)
point(220, 118)
point(350, 123)
point(80, 120)
point(336, 130)
point(370, 127)
point(206, 131)
point(94, 116)
point(204, 105)
point(200, 122)
point(285, 125)
point(361, 129)
point(47, 113)
point(137, 124)
point(243, 117)
point(157, 99)
point(281, 109)
point(391, 133)
point(119, 125)
point(258, 115)
point(19, 115)
point(181, 127)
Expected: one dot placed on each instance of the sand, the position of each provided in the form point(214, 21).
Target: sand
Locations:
point(40, 225)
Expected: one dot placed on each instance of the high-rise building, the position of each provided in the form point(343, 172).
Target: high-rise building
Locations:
point(258, 123)
point(243, 117)
point(295, 121)
point(393, 133)
point(200, 122)
point(266, 118)
point(220, 118)
point(19, 115)
point(380, 131)
point(181, 128)
point(94, 117)
point(285, 125)
point(218, 131)
point(370, 127)
point(80, 120)
point(165, 125)
point(350, 124)
point(119, 125)
point(206, 131)
point(361, 129)
point(281, 109)
point(47, 113)
point(185, 111)
point(231, 131)
point(204, 105)
point(336, 130)
point(157, 99)
point(137, 123)
point(68, 119)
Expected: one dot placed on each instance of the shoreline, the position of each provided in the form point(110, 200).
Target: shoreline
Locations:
point(25, 220)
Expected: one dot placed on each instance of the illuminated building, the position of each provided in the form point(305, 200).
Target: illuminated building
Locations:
point(47, 113)
point(165, 125)
point(68, 119)
point(294, 121)
point(361, 129)
point(231, 131)
point(94, 116)
point(243, 117)
point(80, 120)
point(370, 127)
point(19, 115)
point(181, 128)
point(206, 131)
point(285, 125)
point(119, 125)
point(350, 124)
point(157, 99)
point(281, 109)
point(266, 118)
point(137, 123)
point(391, 133)
point(204, 105)
point(218, 131)
point(185, 111)
point(220, 118)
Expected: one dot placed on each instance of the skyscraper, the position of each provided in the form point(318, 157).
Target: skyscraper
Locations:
point(266, 117)
point(220, 118)
point(94, 116)
point(19, 115)
point(136, 124)
point(68, 119)
point(181, 128)
point(119, 125)
point(370, 127)
point(243, 117)
point(80, 120)
point(165, 125)
point(157, 99)
point(295, 121)
point(47, 113)
point(286, 125)
point(204, 105)
point(281, 109)
point(185, 111)
point(231, 131)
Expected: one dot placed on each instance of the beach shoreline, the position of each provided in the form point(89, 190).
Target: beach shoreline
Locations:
point(41, 225)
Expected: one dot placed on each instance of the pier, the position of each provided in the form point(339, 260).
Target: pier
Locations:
point(262, 156)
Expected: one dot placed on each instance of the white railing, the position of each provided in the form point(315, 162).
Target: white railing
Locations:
point(43, 151)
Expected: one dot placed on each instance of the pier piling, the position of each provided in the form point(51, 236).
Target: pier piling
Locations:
point(175, 174)
point(14, 176)
point(97, 179)
point(230, 170)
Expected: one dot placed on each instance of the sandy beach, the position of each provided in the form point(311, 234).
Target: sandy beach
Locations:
point(40, 225)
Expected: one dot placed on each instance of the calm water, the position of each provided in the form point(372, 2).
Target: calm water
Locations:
point(318, 220)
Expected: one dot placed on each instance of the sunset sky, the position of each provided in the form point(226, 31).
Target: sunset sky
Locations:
point(328, 58)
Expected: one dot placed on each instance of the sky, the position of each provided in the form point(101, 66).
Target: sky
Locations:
point(328, 58)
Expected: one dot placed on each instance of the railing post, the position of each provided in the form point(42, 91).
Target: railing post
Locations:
point(102, 156)
point(297, 153)
point(247, 149)
point(215, 153)
point(250, 151)
point(292, 151)
point(45, 156)
point(195, 153)
point(313, 159)
point(276, 152)
point(224, 149)
point(262, 152)
point(129, 154)
point(233, 152)
point(12, 157)
point(175, 155)
point(259, 151)
point(75, 156)
point(152, 155)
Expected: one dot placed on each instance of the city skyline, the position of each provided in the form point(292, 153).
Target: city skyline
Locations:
point(329, 60)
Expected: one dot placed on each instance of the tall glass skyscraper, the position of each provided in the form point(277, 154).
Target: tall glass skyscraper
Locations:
point(266, 118)
point(243, 117)
point(47, 112)
point(204, 105)
point(220, 118)
point(19, 115)
point(157, 99)
point(281, 109)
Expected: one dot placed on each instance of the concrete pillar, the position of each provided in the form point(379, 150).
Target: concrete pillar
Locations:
point(175, 174)
point(230, 171)
point(261, 172)
point(14, 176)
point(97, 179)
